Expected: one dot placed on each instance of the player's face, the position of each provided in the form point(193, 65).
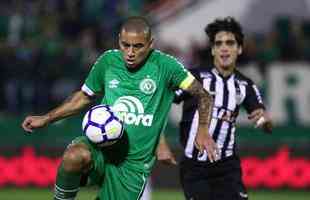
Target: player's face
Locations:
point(225, 50)
point(135, 47)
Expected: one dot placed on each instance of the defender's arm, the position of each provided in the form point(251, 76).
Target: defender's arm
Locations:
point(203, 140)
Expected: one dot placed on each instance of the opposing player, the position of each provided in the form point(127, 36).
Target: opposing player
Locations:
point(138, 81)
point(200, 177)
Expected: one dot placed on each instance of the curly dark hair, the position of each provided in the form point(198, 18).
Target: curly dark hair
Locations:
point(228, 24)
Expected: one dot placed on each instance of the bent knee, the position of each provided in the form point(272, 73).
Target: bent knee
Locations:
point(76, 158)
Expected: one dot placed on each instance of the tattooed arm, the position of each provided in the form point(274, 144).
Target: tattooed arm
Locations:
point(203, 140)
point(72, 105)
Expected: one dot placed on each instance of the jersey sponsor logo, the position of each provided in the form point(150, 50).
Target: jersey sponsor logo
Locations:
point(224, 114)
point(113, 84)
point(147, 86)
point(131, 111)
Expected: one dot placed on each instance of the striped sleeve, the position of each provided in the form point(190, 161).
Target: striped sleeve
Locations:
point(253, 99)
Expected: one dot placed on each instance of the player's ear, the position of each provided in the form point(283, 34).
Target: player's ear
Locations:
point(212, 51)
point(151, 42)
point(239, 50)
point(119, 39)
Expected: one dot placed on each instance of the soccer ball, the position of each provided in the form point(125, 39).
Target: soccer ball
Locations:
point(102, 126)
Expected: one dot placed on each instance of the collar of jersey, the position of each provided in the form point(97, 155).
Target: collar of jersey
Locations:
point(215, 71)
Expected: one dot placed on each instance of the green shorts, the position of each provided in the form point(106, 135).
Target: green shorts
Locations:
point(110, 171)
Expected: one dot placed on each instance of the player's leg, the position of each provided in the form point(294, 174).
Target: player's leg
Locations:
point(76, 160)
point(195, 185)
point(228, 185)
point(111, 171)
point(122, 182)
point(147, 191)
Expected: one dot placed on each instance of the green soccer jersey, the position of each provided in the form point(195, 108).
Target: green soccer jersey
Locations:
point(143, 98)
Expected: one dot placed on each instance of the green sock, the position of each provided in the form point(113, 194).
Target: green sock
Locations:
point(67, 184)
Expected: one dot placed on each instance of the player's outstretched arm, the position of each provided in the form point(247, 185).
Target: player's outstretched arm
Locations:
point(203, 140)
point(261, 119)
point(164, 153)
point(72, 105)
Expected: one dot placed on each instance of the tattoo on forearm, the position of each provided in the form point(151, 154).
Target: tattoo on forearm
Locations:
point(205, 102)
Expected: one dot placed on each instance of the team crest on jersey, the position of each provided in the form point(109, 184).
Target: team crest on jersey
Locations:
point(148, 86)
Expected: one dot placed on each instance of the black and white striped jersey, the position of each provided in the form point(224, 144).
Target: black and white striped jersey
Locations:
point(229, 94)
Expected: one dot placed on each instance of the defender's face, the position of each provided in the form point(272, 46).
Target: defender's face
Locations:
point(225, 50)
point(135, 47)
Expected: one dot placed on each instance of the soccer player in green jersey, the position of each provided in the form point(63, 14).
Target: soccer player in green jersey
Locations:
point(139, 81)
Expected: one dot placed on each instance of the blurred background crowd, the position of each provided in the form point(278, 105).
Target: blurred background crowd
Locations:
point(47, 47)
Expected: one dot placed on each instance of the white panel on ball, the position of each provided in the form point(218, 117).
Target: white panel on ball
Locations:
point(94, 134)
point(100, 115)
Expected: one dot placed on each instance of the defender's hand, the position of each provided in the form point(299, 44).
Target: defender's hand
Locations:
point(32, 122)
point(204, 141)
point(256, 115)
point(261, 119)
point(164, 153)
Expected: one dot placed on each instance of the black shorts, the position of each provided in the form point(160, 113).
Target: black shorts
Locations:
point(206, 181)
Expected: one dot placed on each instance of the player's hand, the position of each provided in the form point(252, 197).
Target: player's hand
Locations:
point(261, 119)
point(204, 142)
point(164, 153)
point(32, 122)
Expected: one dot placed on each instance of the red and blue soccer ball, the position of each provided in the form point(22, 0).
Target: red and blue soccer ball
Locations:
point(102, 126)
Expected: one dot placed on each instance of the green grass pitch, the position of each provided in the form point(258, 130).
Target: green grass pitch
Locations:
point(89, 194)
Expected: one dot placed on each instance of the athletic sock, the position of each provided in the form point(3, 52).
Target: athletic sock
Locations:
point(67, 184)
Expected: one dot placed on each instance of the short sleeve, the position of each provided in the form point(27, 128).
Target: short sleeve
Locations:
point(94, 82)
point(179, 77)
point(253, 99)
